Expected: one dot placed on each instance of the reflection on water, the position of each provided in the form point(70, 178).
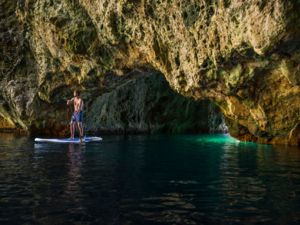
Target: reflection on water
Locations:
point(149, 180)
point(74, 177)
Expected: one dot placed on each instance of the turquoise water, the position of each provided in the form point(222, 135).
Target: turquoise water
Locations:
point(186, 179)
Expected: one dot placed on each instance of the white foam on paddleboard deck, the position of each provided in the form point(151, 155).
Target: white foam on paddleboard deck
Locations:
point(68, 140)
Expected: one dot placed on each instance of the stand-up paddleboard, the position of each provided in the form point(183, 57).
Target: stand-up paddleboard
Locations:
point(68, 140)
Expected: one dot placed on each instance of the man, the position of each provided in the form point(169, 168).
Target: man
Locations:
point(77, 115)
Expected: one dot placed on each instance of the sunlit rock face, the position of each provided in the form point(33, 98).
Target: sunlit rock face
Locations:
point(243, 55)
point(133, 99)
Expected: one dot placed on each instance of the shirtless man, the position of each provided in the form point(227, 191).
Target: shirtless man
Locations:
point(77, 115)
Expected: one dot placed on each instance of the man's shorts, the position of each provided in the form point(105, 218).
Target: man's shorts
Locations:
point(77, 117)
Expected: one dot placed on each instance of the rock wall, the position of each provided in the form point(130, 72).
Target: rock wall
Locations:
point(243, 55)
point(143, 102)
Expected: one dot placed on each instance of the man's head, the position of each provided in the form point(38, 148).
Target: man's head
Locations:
point(76, 93)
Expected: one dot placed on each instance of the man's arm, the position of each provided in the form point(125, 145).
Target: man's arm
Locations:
point(70, 101)
point(81, 105)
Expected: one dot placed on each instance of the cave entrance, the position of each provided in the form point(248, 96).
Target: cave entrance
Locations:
point(141, 101)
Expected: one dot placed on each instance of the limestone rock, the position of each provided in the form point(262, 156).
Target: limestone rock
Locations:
point(143, 102)
point(243, 55)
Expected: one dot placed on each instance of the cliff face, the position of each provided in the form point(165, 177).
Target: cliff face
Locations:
point(242, 55)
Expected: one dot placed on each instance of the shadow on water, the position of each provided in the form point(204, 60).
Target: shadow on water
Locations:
point(184, 179)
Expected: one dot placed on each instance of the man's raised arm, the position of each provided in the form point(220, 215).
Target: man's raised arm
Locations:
point(70, 101)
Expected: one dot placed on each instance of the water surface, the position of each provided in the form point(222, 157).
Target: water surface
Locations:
point(184, 179)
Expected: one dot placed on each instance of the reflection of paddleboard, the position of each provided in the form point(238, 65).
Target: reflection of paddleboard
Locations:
point(68, 140)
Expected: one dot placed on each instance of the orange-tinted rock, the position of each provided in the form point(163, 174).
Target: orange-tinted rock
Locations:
point(244, 56)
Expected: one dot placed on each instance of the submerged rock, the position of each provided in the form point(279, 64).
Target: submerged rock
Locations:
point(244, 56)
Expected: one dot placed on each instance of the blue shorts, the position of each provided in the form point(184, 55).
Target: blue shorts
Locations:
point(77, 117)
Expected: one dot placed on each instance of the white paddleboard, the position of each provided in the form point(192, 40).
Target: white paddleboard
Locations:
point(68, 140)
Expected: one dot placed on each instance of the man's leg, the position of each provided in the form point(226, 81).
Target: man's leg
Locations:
point(80, 117)
point(79, 124)
point(80, 128)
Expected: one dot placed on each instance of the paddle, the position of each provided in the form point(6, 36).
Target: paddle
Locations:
point(68, 115)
